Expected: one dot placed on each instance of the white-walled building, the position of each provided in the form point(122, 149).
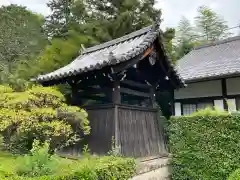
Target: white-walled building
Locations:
point(212, 75)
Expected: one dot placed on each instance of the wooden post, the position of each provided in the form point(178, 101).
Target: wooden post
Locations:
point(74, 99)
point(116, 99)
point(172, 102)
point(224, 94)
point(116, 96)
point(153, 96)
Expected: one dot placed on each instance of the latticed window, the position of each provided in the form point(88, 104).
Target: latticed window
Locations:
point(188, 109)
point(204, 105)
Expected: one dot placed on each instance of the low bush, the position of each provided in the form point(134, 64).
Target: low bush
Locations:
point(204, 145)
point(29, 115)
point(101, 168)
point(38, 163)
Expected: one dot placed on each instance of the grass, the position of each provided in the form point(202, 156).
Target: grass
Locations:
point(7, 163)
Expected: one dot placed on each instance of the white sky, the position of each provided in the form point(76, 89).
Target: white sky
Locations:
point(172, 10)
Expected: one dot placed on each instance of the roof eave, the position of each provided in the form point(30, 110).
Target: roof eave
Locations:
point(210, 78)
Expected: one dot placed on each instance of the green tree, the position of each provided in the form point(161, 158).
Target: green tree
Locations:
point(168, 37)
point(185, 31)
point(210, 25)
point(58, 54)
point(57, 24)
point(122, 17)
point(21, 35)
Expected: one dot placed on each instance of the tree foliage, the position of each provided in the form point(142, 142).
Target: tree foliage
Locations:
point(29, 115)
point(122, 17)
point(21, 35)
point(210, 25)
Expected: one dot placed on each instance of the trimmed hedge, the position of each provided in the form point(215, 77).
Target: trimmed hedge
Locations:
point(102, 168)
point(205, 146)
point(235, 175)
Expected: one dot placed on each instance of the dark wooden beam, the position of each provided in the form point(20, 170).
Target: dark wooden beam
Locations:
point(94, 97)
point(134, 93)
point(172, 101)
point(95, 90)
point(136, 84)
point(224, 94)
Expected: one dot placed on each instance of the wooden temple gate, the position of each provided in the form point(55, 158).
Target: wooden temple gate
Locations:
point(137, 131)
point(116, 82)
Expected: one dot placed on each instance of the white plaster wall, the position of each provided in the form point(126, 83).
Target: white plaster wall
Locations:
point(219, 104)
point(200, 89)
point(233, 86)
point(178, 111)
point(232, 105)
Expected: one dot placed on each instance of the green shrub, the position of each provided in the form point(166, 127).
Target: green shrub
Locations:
point(235, 175)
point(204, 146)
point(29, 115)
point(38, 163)
point(101, 168)
point(209, 112)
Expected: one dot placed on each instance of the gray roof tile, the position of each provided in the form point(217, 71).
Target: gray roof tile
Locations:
point(110, 53)
point(213, 60)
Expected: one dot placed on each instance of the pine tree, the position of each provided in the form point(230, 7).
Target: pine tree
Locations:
point(120, 17)
point(57, 24)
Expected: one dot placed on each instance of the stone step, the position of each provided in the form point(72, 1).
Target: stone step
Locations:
point(158, 174)
point(152, 164)
point(153, 169)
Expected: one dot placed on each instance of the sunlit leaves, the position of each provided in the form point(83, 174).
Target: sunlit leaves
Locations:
point(35, 114)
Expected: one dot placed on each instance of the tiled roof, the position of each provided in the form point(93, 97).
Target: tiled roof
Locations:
point(218, 59)
point(111, 53)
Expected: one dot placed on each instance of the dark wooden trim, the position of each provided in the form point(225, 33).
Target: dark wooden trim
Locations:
point(202, 99)
point(139, 108)
point(230, 76)
point(94, 97)
point(134, 93)
point(99, 106)
point(136, 84)
point(93, 91)
point(199, 98)
point(181, 108)
point(123, 106)
point(224, 93)
point(172, 101)
point(237, 106)
point(116, 128)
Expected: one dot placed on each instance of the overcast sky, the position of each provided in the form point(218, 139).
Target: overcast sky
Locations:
point(172, 10)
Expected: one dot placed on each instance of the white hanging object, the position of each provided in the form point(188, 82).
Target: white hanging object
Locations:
point(153, 57)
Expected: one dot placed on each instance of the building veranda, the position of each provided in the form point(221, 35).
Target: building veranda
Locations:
point(116, 82)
